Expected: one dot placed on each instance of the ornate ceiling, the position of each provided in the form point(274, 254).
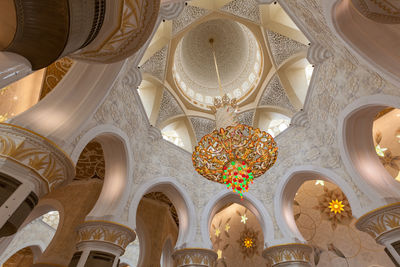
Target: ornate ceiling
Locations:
point(261, 56)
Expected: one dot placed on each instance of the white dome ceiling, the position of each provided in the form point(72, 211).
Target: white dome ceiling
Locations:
point(238, 55)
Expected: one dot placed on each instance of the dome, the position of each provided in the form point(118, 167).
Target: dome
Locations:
point(238, 56)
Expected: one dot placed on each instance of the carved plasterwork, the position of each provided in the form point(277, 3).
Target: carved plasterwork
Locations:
point(380, 221)
point(202, 126)
point(288, 253)
point(382, 11)
point(91, 162)
point(283, 47)
point(136, 20)
point(245, 9)
point(194, 257)
point(101, 231)
point(156, 64)
point(54, 73)
point(246, 117)
point(169, 107)
point(188, 15)
point(36, 153)
point(275, 95)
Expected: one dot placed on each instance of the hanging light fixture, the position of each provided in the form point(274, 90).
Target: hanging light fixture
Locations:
point(234, 154)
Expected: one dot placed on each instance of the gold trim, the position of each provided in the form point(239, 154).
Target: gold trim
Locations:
point(375, 210)
point(288, 244)
point(42, 137)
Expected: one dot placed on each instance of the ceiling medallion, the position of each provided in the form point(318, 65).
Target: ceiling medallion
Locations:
point(235, 154)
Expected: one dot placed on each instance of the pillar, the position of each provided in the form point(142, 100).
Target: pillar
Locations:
point(30, 166)
point(194, 257)
point(294, 255)
point(101, 243)
point(383, 224)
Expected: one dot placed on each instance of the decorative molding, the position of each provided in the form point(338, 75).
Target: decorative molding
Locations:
point(108, 232)
point(296, 252)
point(317, 54)
point(300, 119)
point(37, 153)
point(154, 133)
point(381, 221)
point(283, 47)
point(198, 257)
point(133, 77)
point(170, 11)
point(156, 64)
point(247, 9)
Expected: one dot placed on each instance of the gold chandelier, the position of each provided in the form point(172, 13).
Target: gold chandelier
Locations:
point(234, 154)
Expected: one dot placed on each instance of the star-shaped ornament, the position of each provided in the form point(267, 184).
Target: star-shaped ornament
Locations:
point(219, 252)
point(217, 232)
point(244, 219)
point(227, 227)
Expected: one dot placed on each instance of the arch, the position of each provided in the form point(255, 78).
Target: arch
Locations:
point(357, 148)
point(249, 201)
point(37, 247)
point(179, 198)
point(374, 43)
point(64, 111)
point(289, 185)
point(117, 155)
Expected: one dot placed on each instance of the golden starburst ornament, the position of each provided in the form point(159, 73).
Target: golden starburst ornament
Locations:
point(248, 242)
point(336, 206)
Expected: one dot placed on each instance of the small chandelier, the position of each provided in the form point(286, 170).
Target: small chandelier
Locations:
point(234, 154)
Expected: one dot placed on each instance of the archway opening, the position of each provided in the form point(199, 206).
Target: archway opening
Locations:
point(157, 224)
point(324, 218)
point(237, 237)
point(386, 136)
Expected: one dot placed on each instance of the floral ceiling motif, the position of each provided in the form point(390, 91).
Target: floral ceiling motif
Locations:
point(333, 236)
point(188, 15)
point(169, 107)
point(202, 126)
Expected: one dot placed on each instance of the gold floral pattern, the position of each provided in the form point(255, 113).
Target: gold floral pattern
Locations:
point(54, 74)
point(331, 213)
point(91, 162)
point(107, 232)
point(198, 256)
point(288, 253)
point(35, 152)
point(248, 242)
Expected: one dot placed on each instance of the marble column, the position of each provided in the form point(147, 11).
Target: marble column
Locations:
point(383, 224)
point(294, 255)
point(101, 243)
point(30, 167)
point(194, 257)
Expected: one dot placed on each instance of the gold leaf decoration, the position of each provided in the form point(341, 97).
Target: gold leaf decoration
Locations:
point(91, 162)
point(54, 74)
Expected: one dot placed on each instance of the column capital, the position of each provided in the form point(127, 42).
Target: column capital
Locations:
point(196, 257)
point(295, 254)
point(36, 154)
point(381, 222)
point(105, 236)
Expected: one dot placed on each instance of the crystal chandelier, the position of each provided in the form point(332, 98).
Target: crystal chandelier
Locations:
point(234, 154)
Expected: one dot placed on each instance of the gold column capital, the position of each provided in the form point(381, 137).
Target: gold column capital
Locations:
point(288, 253)
point(380, 221)
point(106, 232)
point(200, 257)
point(37, 154)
